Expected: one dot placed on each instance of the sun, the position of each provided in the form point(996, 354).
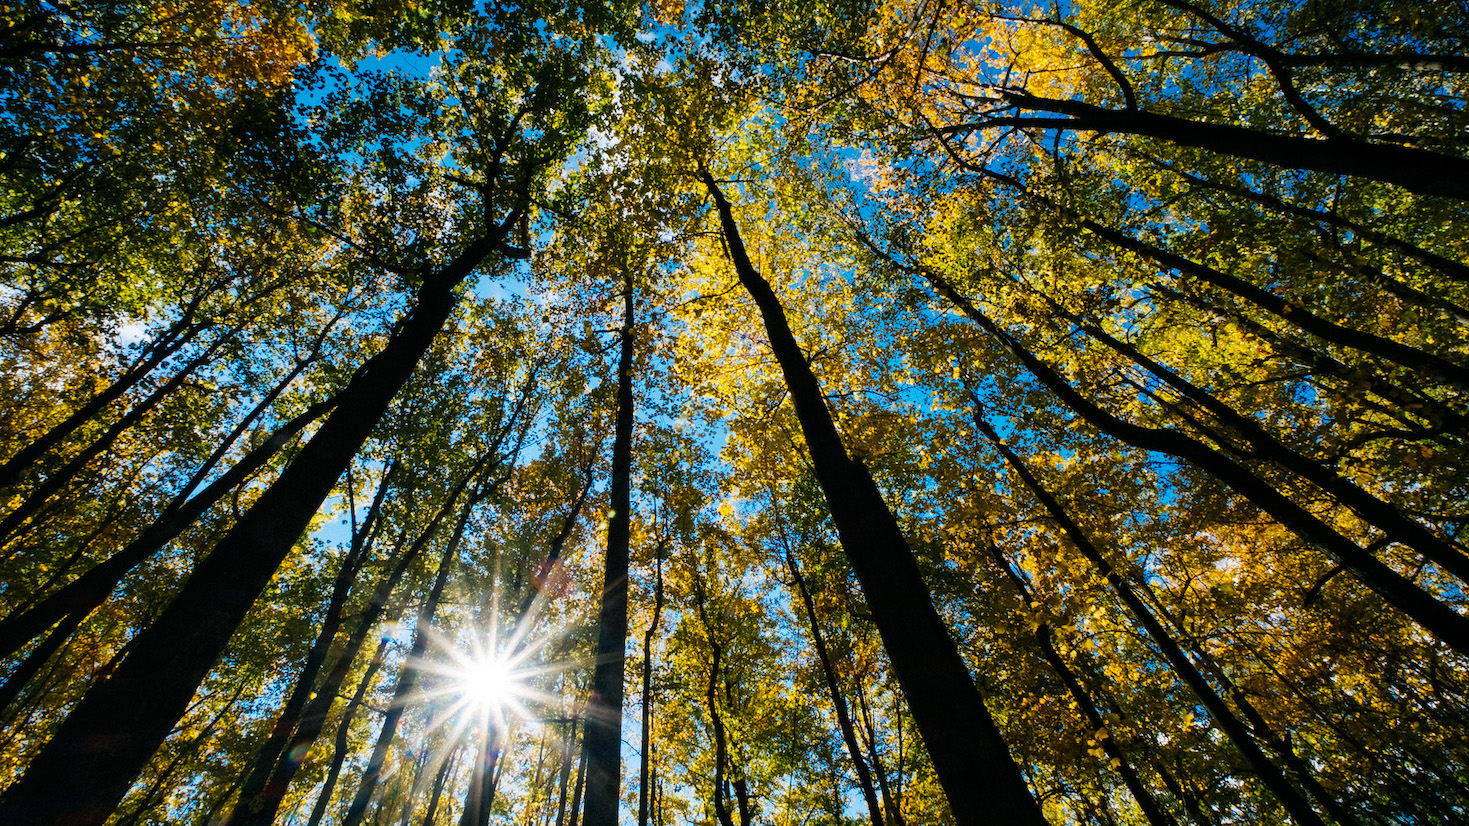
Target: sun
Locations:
point(479, 680)
point(489, 683)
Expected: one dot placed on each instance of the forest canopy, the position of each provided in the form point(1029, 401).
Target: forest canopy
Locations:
point(866, 412)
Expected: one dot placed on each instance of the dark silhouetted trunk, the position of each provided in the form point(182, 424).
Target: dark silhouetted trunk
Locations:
point(1140, 793)
point(568, 750)
point(87, 592)
point(341, 745)
point(408, 675)
point(838, 701)
point(645, 760)
point(1440, 620)
point(1222, 716)
point(980, 779)
point(171, 341)
point(253, 787)
point(603, 737)
point(721, 748)
point(1396, 526)
point(1416, 170)
point(79, 777)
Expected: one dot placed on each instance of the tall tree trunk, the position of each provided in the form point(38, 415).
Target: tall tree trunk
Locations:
point(438, 790)
point(86, 593)
point(603, 737)
point(838, 701)
point(1440, 620)
point(27, 510)
point(180, 333)
point(742, 798)
point(252, 789)
point(981, 780)
point(408, 675)
point(721, 748)
point(1223, 717)
point(480, 798)
point(892, 797)
point(1140, 793)
point(1396, 526)
point(79, 777)
point(568, 750)
point(645, 760)
point(581, 782)
point(341, 745)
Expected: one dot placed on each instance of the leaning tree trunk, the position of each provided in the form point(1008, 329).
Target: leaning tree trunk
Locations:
point(1223, 717)
point(1422, 607)
point(1152, 810)
point(981, 780)
point(79, 777)
point(263, 790)
point(838, 702)
point(1416, 170)
point(83, 595)
point(408, 676)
